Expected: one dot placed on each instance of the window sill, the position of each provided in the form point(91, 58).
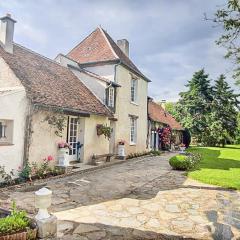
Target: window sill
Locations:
point(132, 144)
point(134, 103)
point(6, 144)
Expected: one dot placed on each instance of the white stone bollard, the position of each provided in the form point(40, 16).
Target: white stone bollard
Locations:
point(47, 224)
point(43, 200)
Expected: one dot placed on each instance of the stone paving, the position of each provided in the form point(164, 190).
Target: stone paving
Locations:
point(140, 199)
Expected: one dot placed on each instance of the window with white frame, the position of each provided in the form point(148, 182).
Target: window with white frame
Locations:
point(133, 130)
point(111, 97)
point(134, 90)
point(6, 131)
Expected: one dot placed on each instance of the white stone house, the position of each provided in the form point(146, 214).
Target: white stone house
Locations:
point(111, 92)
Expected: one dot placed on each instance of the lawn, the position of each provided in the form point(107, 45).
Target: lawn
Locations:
point(219, 166)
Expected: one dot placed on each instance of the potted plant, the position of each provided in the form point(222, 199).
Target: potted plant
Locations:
point(182, 148)
point(63, 153)
point(121, 149)
point(104, 130)
point(15, 225)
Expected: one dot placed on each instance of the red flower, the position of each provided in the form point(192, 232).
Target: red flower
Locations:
point(50, 158)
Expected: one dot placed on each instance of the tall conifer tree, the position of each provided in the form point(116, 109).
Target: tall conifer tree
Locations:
point(195, 104)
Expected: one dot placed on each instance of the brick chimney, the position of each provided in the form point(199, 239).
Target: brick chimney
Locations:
point(6, 33)
point(123, 44)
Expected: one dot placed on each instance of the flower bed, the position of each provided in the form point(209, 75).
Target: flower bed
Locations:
point(30, 172)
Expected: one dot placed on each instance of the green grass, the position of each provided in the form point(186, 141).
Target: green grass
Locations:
point(219, 166)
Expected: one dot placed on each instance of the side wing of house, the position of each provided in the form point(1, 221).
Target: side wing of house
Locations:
point(13, 114)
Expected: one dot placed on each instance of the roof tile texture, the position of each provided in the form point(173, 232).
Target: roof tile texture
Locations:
point(100, 47)
point(50, 84)
point(158, 114)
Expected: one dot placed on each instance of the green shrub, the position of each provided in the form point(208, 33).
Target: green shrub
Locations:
point(185, 162)
point(155, 152)
point(17, 221)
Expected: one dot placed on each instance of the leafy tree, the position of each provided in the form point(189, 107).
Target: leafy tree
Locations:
point(194, 105)
point(171, 108)
point(223, 117)
point(228, 17)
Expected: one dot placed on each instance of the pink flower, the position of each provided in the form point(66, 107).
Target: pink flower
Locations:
point(50, 158)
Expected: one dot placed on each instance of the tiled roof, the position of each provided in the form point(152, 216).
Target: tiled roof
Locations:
point(49, 84)
point(158, 114)
point(100, 47)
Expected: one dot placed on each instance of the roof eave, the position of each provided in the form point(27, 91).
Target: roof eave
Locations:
point(68, 110)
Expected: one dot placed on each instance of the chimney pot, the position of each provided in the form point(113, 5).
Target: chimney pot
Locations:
point(123, 44)
point(7, 32)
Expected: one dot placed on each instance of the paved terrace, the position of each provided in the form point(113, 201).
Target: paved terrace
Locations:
point(140, 199)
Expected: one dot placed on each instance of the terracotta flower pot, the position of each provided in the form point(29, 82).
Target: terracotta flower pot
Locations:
point(30, 234)
point(15, 236)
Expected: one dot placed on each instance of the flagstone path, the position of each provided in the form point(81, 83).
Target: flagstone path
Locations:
point(140, 199)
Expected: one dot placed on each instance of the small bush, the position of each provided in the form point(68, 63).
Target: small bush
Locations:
point(185, 162)
point(155, 152)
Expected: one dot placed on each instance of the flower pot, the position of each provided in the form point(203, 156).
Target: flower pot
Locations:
point(121, 151)
point(63, 157)
point(182, 149)
point(15, 236)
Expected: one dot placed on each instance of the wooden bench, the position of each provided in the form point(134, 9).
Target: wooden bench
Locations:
point(105, 157)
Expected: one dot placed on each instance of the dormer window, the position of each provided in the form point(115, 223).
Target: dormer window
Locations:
point(134, 90)
point(111, 97)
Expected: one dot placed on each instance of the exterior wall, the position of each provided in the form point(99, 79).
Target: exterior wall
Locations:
point(107, 71)
point(96, 86)
point(44, 140)
point(124, 107)
point(94, 144)
point(7, 77)
point(14, 106)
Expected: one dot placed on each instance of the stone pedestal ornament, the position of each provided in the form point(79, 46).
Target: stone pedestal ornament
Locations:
point(47, 224)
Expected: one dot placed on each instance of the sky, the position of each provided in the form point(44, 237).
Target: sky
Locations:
point(169, 39)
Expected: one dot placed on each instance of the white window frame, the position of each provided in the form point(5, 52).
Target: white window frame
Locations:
point(134, 85)
point(133, 130)
point(111, 99)
point(6, 132)
point(73, 125)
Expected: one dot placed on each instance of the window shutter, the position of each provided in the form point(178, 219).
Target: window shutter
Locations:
point(107, 96)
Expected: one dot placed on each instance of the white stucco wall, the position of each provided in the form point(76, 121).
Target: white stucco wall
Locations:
point(95, 85)
point(106, 71)
point(14, 106)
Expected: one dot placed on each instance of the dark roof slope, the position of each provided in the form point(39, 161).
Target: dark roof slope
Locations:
point(158, 114)
point(100, 47)
point(49, 84)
